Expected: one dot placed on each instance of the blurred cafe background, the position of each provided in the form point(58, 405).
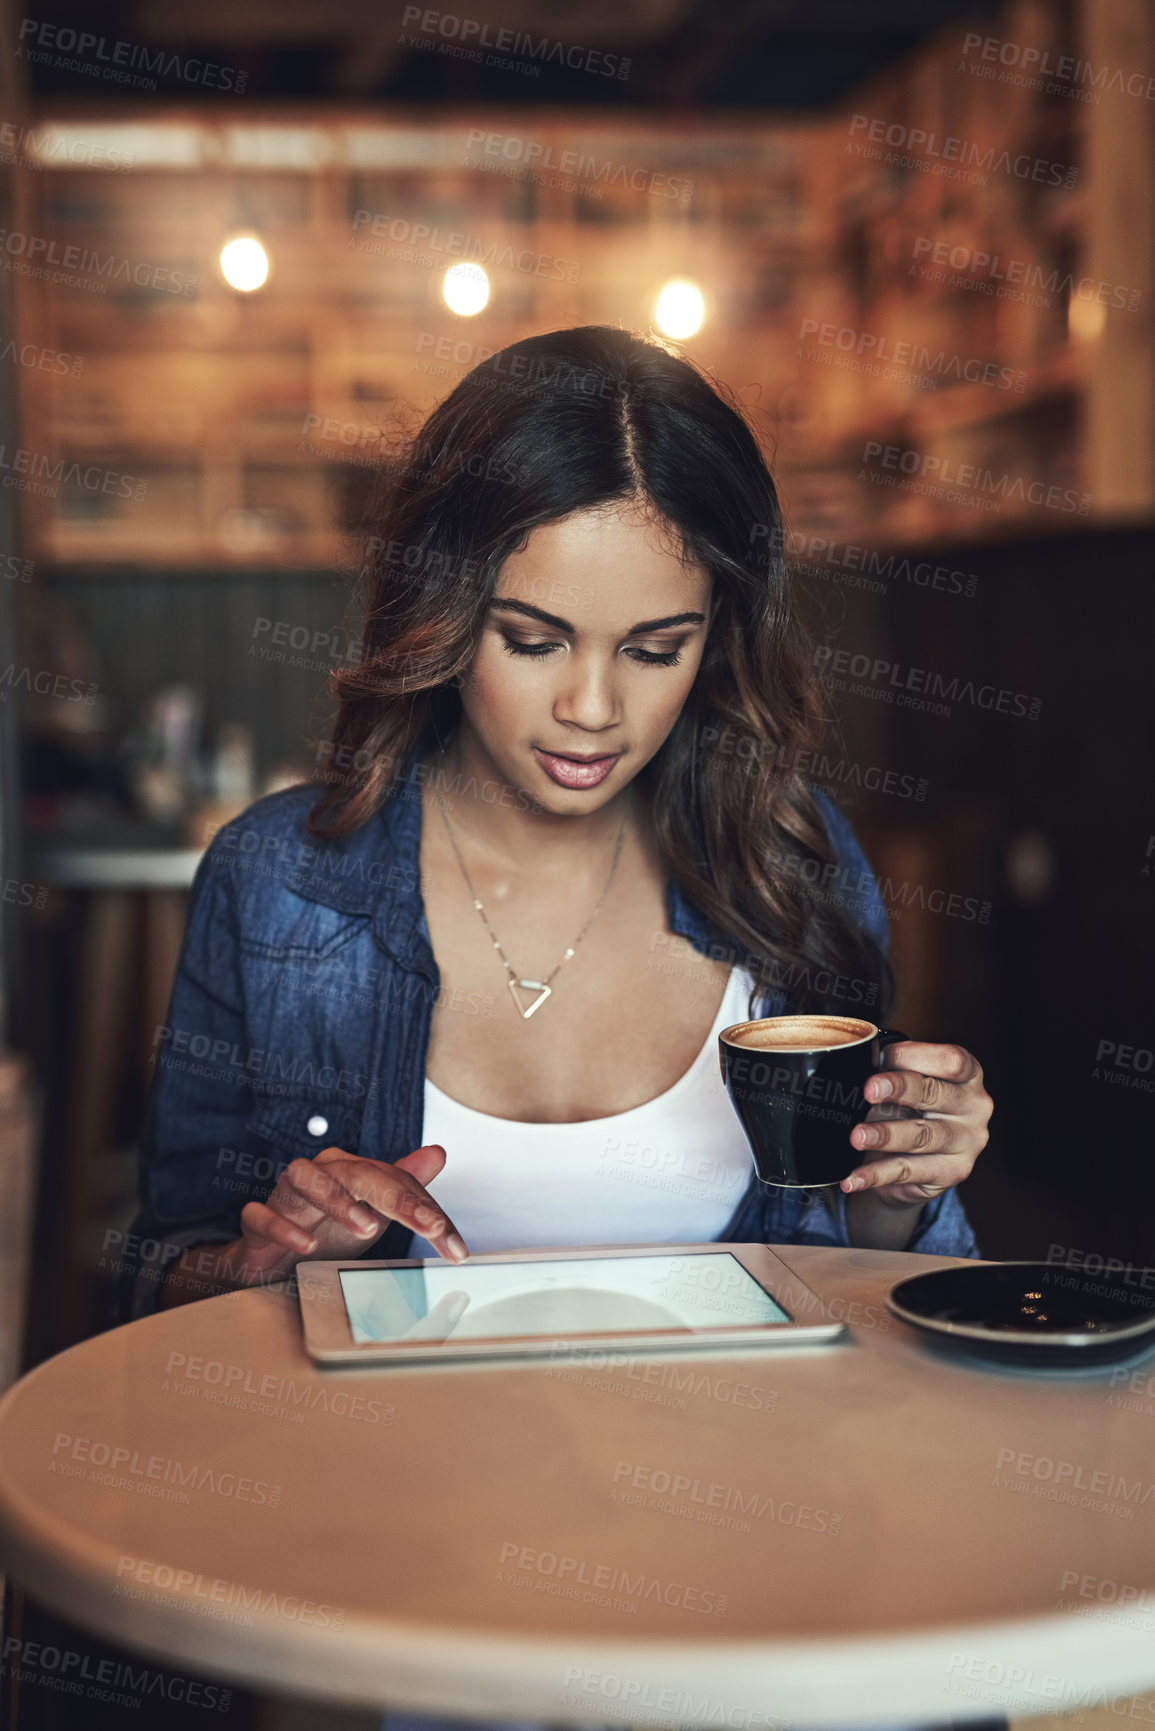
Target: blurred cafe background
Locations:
point(246, 247)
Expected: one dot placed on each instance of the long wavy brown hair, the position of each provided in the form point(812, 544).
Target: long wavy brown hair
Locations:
point(561, 423)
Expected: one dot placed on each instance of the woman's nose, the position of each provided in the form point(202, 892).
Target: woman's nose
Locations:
point(587, 692)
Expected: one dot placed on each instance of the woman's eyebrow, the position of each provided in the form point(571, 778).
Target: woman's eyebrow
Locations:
point(645, 625)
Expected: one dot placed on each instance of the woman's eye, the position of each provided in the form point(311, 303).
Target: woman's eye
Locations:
point(647, 657)
point(517, 647)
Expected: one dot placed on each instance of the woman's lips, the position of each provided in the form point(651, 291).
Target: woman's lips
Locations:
point(568, 773)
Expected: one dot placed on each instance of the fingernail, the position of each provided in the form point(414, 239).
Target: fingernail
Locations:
point(363, 1219)
point(425, 1216)
point(456, 1248)
point(879, 1087)
point(867, 1136)
point(855, 1184)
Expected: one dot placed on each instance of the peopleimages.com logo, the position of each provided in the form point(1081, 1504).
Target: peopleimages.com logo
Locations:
point(582, 1578)
point(71, 1672)
point(46, 683)
point(218, 1595)
point(128, 1469)
point(985, 269)
point(1039, 67)
point(879, 676)
point(36, 255)
point(36, 472)
point(531, 159)
point(469, 35)
point(918, 471)
point(871, 349)
point(960, 158)
point(120, 62)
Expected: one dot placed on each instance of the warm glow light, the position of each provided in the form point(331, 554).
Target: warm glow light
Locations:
point(244, 264)
point(466, 289)
point(1085, 319)
point(681, 309)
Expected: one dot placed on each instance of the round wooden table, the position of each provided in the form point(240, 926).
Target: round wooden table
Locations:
point(854, 1533)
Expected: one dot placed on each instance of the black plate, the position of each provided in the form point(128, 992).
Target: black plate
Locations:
point(1034, 1312)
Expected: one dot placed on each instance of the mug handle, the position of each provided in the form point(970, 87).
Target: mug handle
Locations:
point(890, 1037)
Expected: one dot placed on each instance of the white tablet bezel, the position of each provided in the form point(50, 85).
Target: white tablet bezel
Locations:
point(329, 1340)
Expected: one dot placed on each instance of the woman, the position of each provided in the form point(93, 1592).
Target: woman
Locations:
point(468, 998)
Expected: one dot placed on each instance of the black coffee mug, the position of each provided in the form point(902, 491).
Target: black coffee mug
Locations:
point(796, 1083)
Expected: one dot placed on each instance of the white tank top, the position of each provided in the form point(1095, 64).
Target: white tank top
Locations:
point(671, 1171)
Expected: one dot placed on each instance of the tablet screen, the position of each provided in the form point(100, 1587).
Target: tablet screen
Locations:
point(589, 1295)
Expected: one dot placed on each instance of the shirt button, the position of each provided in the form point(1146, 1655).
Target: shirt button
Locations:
point(317, 1125)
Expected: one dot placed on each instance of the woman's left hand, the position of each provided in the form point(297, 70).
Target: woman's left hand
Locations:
point(911, 1160)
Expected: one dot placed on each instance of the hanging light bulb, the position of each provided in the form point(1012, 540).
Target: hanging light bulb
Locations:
point(681, 308)
point(244, 263)
point(466, 289)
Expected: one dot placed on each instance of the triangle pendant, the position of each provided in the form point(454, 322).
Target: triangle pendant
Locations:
point(543, 992)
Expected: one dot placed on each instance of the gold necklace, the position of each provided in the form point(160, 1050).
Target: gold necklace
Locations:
point(541, 987)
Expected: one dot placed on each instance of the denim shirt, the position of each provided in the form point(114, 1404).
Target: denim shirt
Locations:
point(300, 1019)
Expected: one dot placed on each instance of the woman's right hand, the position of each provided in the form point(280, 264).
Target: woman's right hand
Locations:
point(337, 1204)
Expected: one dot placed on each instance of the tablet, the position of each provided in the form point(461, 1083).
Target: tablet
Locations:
point(537, 1303)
